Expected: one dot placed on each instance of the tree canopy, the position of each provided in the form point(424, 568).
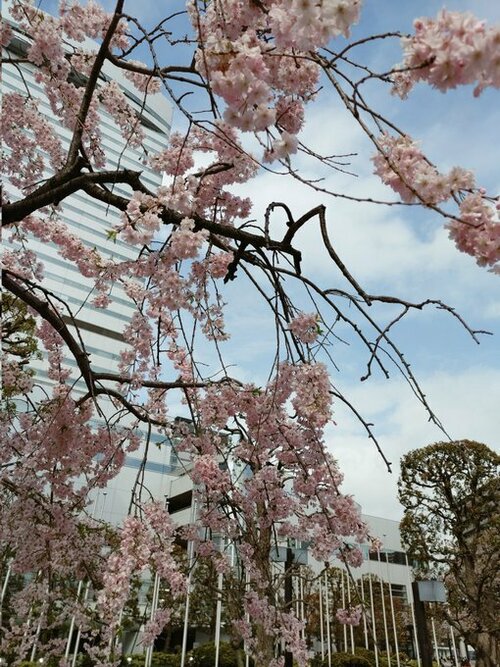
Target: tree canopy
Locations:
point(451, 495)
point(241, 76)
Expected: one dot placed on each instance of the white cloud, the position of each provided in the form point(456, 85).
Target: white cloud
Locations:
point(466, 403)
point(492, 310)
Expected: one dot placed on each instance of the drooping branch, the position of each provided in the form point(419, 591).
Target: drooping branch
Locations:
point(92, 379)
point(13, 283)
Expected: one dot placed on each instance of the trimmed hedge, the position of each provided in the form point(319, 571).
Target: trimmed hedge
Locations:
point(342, 660)
point(204, 656)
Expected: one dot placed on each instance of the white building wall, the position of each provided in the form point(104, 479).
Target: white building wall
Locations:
point(91, 220)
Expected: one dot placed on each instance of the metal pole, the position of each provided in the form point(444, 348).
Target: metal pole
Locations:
point(80, 585)
point(328, 635)
point(288, 592)
point(302, 613)
point(72, 624)
point(38, 629)
point(365, 624)
point(393, 615)
point(79, 633)
point(374, 625)
point(454, 647)
point(4, 588)
point(27, 624)
point(412, 609)
point(321, 635)
point(154, 606)
point(188, 588)
point(297, 597)
point(344, 627)
point(247, 619)
point(434, 638)
point(351, 629)
point(384, 616)
point(87, 585)
point(218, 615)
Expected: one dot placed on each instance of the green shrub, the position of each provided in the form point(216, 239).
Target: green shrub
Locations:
point(204, 656)
point(342, 660)
point(83, 660)
point(160, 659)
point(48, 662)
point(134, 660)
point(367, 654)
point(349, 660)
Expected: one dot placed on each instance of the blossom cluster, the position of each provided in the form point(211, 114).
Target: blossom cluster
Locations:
point(27, 135)
point(283, 424)
point(54, 61)
point(305, 327)
point(256, 58)
point(401, 164)
point(477, 231)
point(192, 194)
point(452, 50)
point(71, 247)
point(114, 101)
point(145, 545)
point(351, 616)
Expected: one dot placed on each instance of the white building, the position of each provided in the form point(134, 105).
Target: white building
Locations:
point(92, 220)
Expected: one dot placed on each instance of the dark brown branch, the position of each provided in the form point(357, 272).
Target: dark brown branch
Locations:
point(59, 187)
point(76, 140)
point(51, 316)
point(147, 71)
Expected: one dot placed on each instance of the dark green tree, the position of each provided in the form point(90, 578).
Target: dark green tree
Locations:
point(451, 495)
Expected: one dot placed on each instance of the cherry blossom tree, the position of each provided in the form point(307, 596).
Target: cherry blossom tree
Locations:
point(241, 75)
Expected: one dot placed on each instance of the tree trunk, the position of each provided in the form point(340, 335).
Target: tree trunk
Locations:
point(487, 650)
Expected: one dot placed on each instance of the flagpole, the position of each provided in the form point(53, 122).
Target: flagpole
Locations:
point(321, 634)
point(328, 635)
point(218, 616)
point(343, 605)
point(436, 652)
point(412, 609)
point(247, 619)
point(365, 624)
point(384, 616)
point(454, 646)
point(302, 613)
point(4, 588)
point(87, 585)
point(393, 615)
point(154, 606)
point(351, 629)
point(188, 587)
point(374, 625)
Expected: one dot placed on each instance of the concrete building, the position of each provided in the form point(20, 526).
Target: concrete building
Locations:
point(91, 220)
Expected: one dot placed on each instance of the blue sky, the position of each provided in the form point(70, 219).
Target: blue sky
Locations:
point(391, 250)
point(407, 253)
